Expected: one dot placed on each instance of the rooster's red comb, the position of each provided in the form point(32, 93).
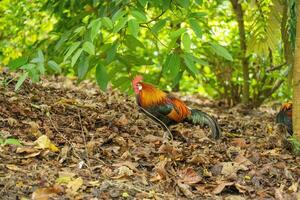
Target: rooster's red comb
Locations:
point(137, 79)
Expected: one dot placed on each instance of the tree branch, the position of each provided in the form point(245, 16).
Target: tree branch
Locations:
point(155, 18)
point(274, 68)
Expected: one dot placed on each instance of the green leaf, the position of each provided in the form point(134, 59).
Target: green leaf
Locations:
point(177, 79)
point(41, 68)
point(75, 57)
point(28, 66)
point(101, 77)
point(54, 66)
point(165, 4)
point(62, 40)
point(120, 81)
point(188, 60)
point(195, 26)
point(95, 26)
point(79, 30)
point(133, 27)
point(121, 23)
point(133, 60)
point(33, 71)
point(40, 55)
point(143, 2)
point(175, 34)
point(12, 141)
point(183, 3)
point(36, 60)
point(89, 48)
point(83, 67)
point(111, 53)
point(21, 79)
point(17, 63)
point(200, 61)
point(199, 2)
point(221, 51)
point(198, 15)
point(158, 26)
point(72, 48)
point(141, 17)
point(186, 41)
point(118, 15)
point(132, 43)
point(107, 23)
point(172, 65)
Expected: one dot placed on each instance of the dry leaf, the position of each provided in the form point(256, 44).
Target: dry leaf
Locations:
point(34, 129)
point(64, 177)
point(240, 142)
point(32, 155)
point(64, 153)
point(94, 183)
point(293, 187)
point(242, 188)
point(188, 176)
point(15, 168)
point(204, 189)
point(46, 193)
point(186, 190)
point(26, 150)
point(129, 164)
point(169, 150)
point(199, 159)
point(240, 159)
point(123, 121)
point(279, 193)
point(43, 142)
point(234, 197)
point(160, 170)
point(152, 138)
point(11, 121)
point(221, 187)
point(123, 171)
point(74, 185)
point(231, 168)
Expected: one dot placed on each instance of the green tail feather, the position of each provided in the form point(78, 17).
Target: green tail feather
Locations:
point(201, 118)
point(283, 118)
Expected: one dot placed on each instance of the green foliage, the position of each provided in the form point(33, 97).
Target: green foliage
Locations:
point(221, 51)
point(33, 69)
point(193, 43)
point(24, 26)
point(9, 141)
point(265, 29)
point(295, 145)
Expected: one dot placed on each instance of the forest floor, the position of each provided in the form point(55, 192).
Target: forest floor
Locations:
point(80, 143)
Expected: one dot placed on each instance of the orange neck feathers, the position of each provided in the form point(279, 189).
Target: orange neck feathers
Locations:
point(287, 108)
point(149, 95)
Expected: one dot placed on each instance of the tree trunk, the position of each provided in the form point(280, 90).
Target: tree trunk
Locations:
point(287, 48)
point(296, 79)
point(237, 7)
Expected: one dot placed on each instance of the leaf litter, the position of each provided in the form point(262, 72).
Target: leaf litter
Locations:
point(80, 143)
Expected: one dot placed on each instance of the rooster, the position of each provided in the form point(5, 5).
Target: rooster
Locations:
point(169, 109)
point(285, 117)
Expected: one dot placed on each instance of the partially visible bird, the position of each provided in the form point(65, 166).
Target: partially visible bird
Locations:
point(285, 117)
point(169, 109)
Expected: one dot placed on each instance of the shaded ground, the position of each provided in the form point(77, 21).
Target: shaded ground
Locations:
point(109, 150)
